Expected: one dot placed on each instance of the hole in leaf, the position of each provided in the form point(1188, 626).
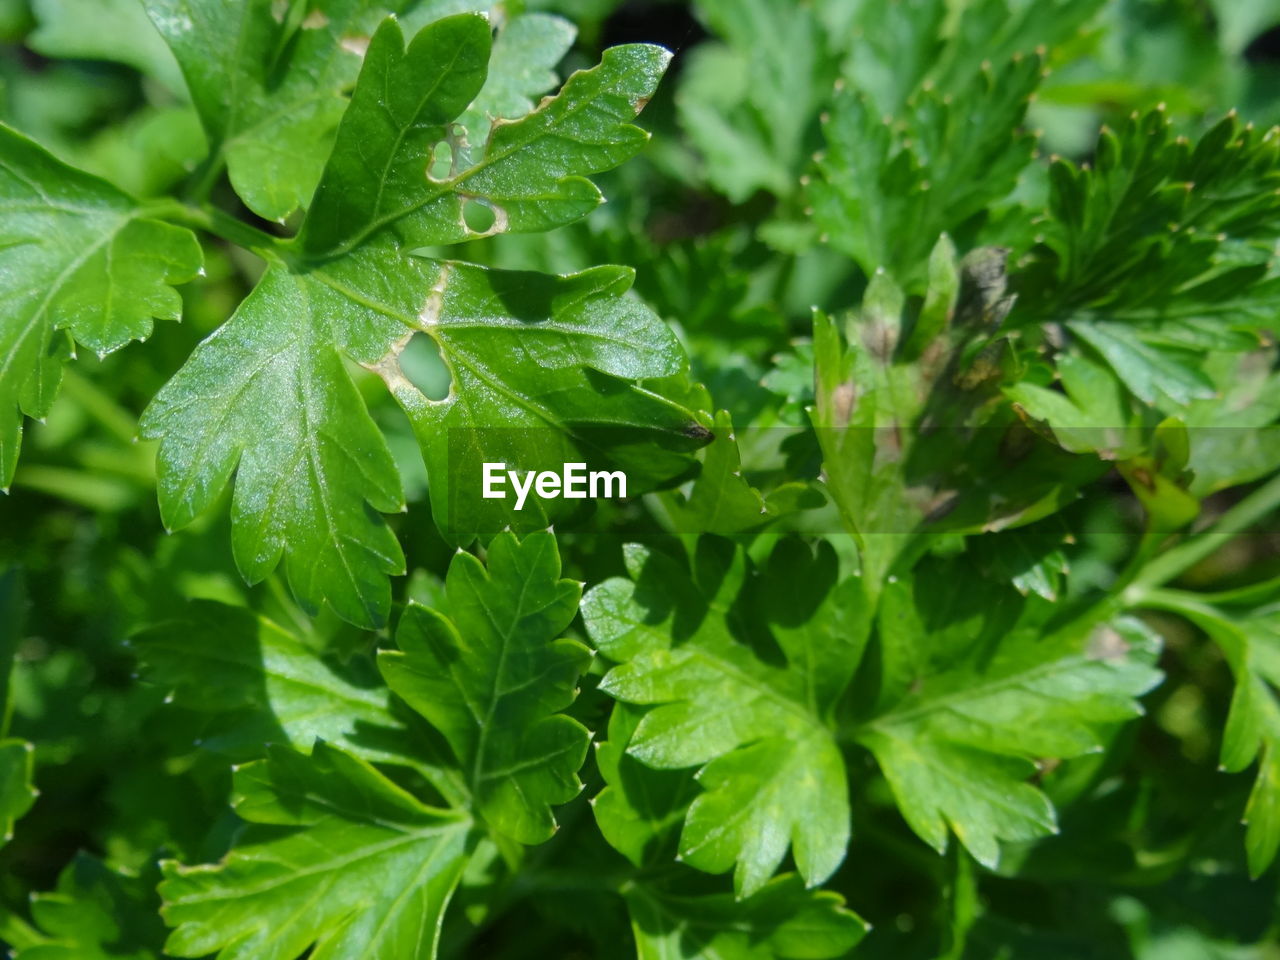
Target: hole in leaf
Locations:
point(441, 161)
point(477, 216)
point(422, 365)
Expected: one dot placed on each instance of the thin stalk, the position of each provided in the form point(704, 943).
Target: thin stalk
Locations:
point(220, 224)
point(118, 421)
point(1181, 602)
point(1172, 563)
point(202, 181)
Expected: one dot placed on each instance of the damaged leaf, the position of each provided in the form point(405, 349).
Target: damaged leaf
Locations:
point(267, 397)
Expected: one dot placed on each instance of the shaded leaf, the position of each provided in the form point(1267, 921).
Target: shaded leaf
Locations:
point(782, 921)
point(336, 857)
point(265, 684)
point(97, 913)
point(959, 748)
point(771, 773)
point(493, 676)
point(1251, 644)
point(17, 790)
point(116, 30)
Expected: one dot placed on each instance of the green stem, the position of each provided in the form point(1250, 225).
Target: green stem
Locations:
point(222, 225)
point(1116, 599)
point(118, 421)
point(93, 491)
point(202, 181)
point(1186, 555)
point(1182, 602)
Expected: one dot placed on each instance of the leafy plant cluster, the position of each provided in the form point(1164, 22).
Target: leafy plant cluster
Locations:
point(941, 619)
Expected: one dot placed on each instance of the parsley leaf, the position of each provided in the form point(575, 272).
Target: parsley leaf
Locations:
point(80, 262)
point(958, 746)
point(492, 677)
point(96, 913)
point(269, 83)
point(1158, 251)
point(335, 854)
point(782, 920)
point(890, 184)
point(771, 772)
point(640, 809)
point(746, 104)
point(1251, 644)
point(257, 682)
point(17, 768)
point(531, 173)
point(267, 395)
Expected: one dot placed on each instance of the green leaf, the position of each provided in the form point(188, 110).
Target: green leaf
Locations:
point(1031, 560)
point(536, 362)
point(995, 31)
point(959, 748)
point(17, 793)
point(720, 501)
point(1159, 251)
point(1096, 415)
point(269, 83)
point(746, 105)
point(908, 413)
point(531, 174)
point(525, 54)
point(1251, 644)
point(493, 676)
point(889, 185)
point(1092, 414)
point(526, 352)
point(265, 684)
point(17, 757)
point(115, 30)
point(781, 921)
point(895, 51)
point(771, 772)
point(1234, 437)
point(97, 913)
point(640, 809)
point(267, 397)
point(79, 261)
point(335, 857)
point(1150, 373)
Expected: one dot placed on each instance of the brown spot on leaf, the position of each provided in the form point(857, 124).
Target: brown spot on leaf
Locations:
point(1144, 477)
point(1106, 643)
point(843, 400)
point(696, 431)
point(429, 315)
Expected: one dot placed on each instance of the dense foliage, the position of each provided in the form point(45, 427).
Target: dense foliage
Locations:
point(935, 341)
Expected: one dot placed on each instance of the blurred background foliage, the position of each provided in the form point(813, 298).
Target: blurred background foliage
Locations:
point(1151, 864)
